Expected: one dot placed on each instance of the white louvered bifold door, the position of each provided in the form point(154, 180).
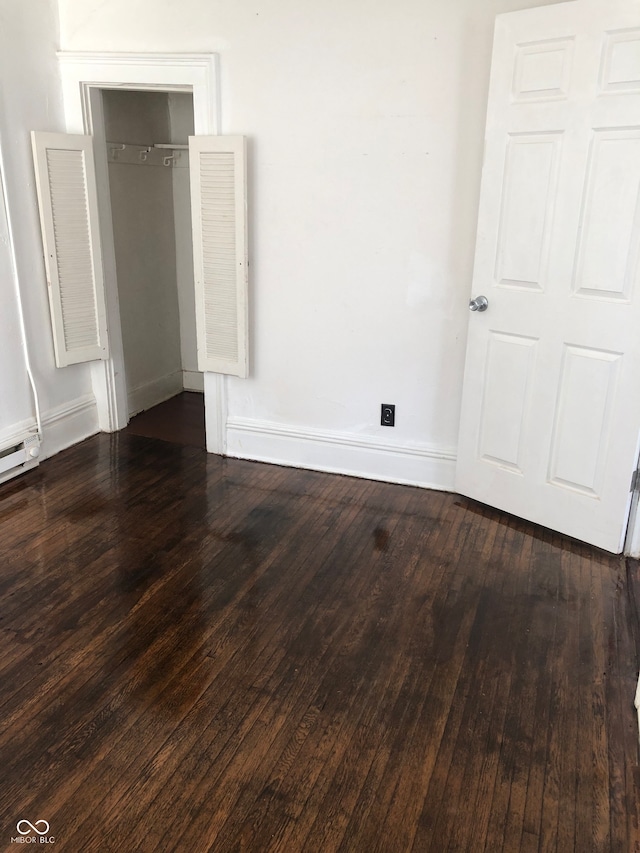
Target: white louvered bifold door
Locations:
point(219, 212)
point(67, 196)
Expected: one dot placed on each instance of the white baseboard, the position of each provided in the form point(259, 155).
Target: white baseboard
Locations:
point(69, 424)
point(192, 381)
point(16, 432)
point(151, 393)
point(62, 427)
point(355, 455)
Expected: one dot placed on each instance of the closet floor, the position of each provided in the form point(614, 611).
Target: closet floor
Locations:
point(179, 420)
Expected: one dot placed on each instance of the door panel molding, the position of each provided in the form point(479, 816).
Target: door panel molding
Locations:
point(554, 438)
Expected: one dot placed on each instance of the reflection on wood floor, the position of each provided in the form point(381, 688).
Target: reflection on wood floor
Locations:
point(201, 653)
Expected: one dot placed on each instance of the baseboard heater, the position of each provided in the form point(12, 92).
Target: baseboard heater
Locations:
point(19, 457)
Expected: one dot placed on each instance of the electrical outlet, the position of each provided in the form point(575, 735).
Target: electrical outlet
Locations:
point(388, 414)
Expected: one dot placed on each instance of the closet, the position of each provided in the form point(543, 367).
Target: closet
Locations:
point(147, 152)
point(145, 247)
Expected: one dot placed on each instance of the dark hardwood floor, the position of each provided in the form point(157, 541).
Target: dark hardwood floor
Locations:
point(179, 420)
point(206, 654)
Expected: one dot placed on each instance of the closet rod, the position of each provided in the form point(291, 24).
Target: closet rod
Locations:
point(173, 146)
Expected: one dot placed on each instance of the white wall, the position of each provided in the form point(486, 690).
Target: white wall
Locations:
point(144, 236)
point(365, 123)
point(30, 98)
point(14, 384)
point(181, 121)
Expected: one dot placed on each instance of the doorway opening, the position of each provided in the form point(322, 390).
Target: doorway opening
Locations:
point(84, 75)
point(146, 140)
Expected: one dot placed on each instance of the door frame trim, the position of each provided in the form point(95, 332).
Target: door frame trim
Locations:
point(632, 538)
point(83, 75)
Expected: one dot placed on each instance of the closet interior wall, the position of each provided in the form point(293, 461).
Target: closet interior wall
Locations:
point(150, 205)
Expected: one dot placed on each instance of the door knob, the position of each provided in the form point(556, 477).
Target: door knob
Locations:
point(480, 303)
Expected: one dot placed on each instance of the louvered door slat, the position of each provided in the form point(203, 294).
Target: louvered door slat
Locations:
point(218, 198)
point(67, 196)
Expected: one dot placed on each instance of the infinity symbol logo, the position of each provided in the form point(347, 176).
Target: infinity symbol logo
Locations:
point(32, 827)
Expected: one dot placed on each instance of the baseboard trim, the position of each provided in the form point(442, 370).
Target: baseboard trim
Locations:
point(192, 380)
point(69, 424)
point(62, 426)
point(152, 393)
point(15, 433)
point(354, 455)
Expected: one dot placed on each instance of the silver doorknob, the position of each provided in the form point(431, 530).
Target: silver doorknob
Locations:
point(480, 303)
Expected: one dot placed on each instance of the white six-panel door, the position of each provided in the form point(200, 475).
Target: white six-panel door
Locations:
point(551, 404)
